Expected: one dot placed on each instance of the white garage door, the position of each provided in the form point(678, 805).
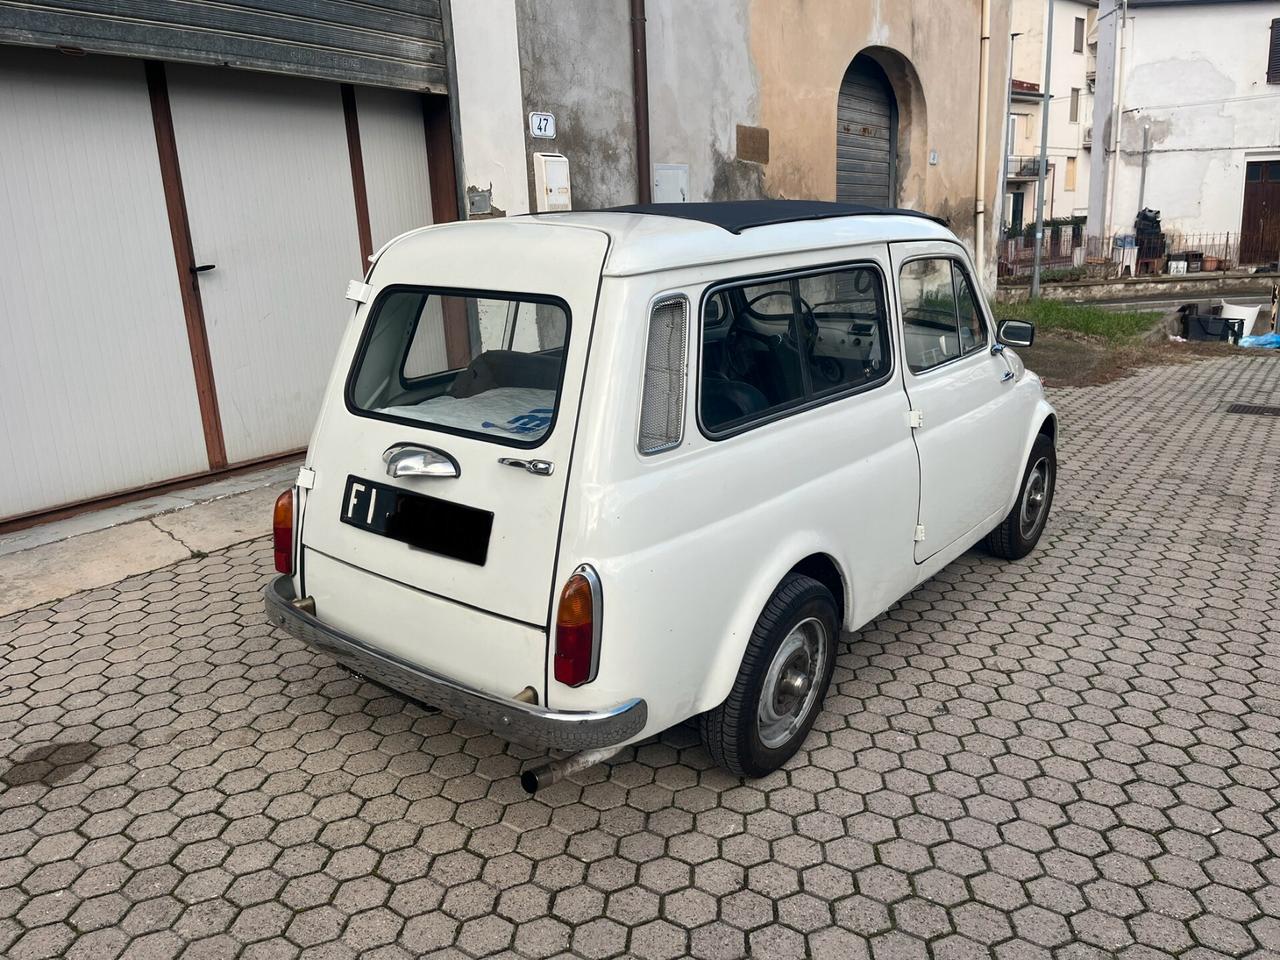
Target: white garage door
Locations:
point(267, 179)
point(394, 143)
point(97, 392)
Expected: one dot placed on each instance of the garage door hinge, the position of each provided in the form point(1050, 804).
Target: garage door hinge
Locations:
point(915, 418)
point(919, 533)
point(359, 292)
point(306, 478)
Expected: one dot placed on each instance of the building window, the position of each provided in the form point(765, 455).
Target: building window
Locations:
point(1273, 54)
point(1075, 104)
point(1013, 130)
point(1079, 44)
point(1070, 180)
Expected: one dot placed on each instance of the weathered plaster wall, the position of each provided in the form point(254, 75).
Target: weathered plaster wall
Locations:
point(930, 50)
point(702, 85)
point(775, 65)
point(1104, 97)
point(489, 107)
point(575, 62)
point(1197, 74)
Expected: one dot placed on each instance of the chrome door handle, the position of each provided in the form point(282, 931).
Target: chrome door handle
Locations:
point(412, 460)
point(542, 468)
point(1008, 375)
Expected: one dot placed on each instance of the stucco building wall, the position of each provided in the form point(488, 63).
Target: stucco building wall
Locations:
point(487, 52)
point(1196, 74)
point(744, 93)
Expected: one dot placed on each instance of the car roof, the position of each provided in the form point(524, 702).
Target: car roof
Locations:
point(656, 237)
point(665, 236)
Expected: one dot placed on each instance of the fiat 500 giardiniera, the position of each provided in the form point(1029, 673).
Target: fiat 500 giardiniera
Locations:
point(579, 477)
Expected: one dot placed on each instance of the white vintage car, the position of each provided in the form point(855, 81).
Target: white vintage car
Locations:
point(580, 477)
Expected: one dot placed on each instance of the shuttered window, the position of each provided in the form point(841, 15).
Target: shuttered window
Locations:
point(1079, 37)
point(1273, 55)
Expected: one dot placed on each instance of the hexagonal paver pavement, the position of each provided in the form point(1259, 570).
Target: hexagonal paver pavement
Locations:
point(1073, 756)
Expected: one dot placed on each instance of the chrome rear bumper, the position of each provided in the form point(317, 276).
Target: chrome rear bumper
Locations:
point(571, 730)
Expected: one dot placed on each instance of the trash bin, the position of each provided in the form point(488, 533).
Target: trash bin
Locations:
point(1200, 326)
point(1195, 260)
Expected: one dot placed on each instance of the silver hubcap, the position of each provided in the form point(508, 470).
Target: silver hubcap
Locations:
point(791, 683)
point(1035, 494)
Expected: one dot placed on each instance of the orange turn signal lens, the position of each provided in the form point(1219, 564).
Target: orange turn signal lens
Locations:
point(575, 652)
point(282, 532)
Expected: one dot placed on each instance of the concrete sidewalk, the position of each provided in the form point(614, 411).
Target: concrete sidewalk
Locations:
point(57, 559)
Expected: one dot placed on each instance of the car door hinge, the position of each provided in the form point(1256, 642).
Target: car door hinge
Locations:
point(915, 418)
point(359, 292)
point(919, 533)
point(306, 478)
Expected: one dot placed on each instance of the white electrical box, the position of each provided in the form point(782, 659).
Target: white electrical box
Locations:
point(551, 182)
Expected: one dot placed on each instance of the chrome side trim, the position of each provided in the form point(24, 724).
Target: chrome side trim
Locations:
point(572, 730)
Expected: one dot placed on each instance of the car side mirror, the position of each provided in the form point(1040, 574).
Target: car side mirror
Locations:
point(1016, 333)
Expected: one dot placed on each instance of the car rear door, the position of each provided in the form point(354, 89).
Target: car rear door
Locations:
point(961, 393)
point(486, 537)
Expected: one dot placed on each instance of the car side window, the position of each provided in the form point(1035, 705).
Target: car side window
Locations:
point(941, 317)
point(929, 314)
point(772, 344)
point(973, 329)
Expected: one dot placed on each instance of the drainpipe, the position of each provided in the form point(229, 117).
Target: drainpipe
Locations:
point(1142, 182)
point(980, 180)
point(1005, 140)
point(1045, 98)
point(1117, 115)
point(640, 97)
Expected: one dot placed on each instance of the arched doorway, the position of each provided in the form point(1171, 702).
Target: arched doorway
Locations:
point(866, 136)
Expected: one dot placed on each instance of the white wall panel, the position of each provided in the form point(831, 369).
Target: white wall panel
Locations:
point(267, 179)
point(393, 142)
point(96, 387)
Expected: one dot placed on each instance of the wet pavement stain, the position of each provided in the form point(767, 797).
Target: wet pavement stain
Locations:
point(49, 763)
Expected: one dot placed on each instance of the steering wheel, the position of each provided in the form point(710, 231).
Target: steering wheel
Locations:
point(808, 322)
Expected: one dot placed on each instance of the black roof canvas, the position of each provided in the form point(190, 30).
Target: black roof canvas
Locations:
point(738, 215)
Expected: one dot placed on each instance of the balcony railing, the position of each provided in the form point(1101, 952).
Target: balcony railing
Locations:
point(1023, 168)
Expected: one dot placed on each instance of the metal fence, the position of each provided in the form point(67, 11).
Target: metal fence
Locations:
point(1066, 253)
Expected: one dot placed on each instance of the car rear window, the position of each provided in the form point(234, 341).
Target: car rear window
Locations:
point(486, 365)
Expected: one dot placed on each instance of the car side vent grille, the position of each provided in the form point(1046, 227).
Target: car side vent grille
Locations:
point(662, 405)
point(1254, 410)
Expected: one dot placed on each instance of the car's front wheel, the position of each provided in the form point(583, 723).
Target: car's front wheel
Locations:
point(1020, 531)
point(781, 684)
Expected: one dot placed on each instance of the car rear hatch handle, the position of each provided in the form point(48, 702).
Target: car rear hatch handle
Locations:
point(542, 468)
point(413, 460)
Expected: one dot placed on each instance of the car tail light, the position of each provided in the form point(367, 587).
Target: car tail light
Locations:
point(578, 629)
point(282, 532)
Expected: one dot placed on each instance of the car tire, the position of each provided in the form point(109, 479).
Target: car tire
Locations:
point(781, 683)
point(1020, 531)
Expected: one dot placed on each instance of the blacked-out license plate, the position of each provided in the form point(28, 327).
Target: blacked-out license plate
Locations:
point(428, 523)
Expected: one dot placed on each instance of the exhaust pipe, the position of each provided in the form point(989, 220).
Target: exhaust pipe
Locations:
point(553, 771)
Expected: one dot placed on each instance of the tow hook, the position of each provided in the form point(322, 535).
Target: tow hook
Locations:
point(553, 771)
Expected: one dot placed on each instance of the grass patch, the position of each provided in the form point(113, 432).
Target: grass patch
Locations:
point(1079, 317)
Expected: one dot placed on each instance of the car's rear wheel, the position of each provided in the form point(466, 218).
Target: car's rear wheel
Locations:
point(1020, 531)
point(781, 684)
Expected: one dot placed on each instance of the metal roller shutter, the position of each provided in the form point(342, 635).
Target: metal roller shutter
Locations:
point(389, 43)
point(866, 133)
